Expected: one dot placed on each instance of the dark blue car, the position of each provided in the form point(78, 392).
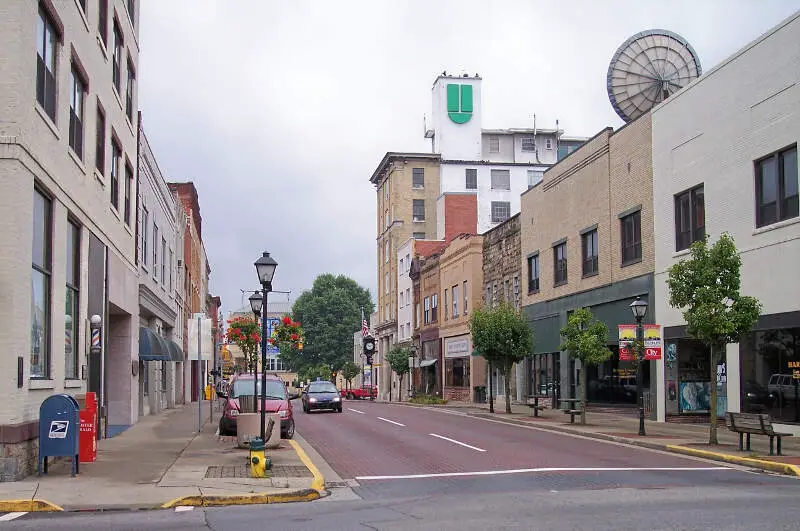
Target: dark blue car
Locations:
point(321, 395)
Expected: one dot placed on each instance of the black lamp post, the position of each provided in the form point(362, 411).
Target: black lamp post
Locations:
point(265, 268)
point(256, 302)
point(639, 309)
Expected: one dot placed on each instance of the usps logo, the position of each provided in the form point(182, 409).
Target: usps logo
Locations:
point(58, 429)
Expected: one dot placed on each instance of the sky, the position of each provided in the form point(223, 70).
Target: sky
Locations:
point(279, 112)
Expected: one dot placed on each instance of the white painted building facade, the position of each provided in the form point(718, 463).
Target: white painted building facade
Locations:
point(405, 292)
point(725, 158)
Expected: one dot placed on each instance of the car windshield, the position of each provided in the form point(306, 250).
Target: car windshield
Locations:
point(323, 387)
point(275, 390)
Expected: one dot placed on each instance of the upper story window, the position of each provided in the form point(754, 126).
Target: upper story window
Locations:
point(471, 179)
point(77, 101)
point(534, 177)
point(560, 264)
point(145, 230)
point(129, 90)
point(402, 265)
point(46, 52)
point(548, 143)
point(465, 297)
point(455, 301)
point(516, 292)
point(155, 252)
point(419, 235)
point(117, 58)
point(427, 314)
point(100, 141)
point(116, 156)
point(435, 307)
point(777, 187)
point(418, 206)
point(528, 144)
point(533, 273)
point(445, 304)
point(418, 177)
point(386, 251)
point(501, 211)
point(494, 144)
point(102, 21)
point(589, 245)
point(128, 193)
point(690, 217)
point(132, 9)
point(631, 235)
point(501, 180)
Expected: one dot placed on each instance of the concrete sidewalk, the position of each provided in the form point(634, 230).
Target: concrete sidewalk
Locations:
point(162, 461)
point(623, 426)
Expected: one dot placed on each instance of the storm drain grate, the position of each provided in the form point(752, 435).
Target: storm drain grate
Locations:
point(243, 471)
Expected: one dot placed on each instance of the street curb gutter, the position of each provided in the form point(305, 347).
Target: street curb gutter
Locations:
point(28, 506)
point(243, 499)
point(771, 466)
point(318, 483)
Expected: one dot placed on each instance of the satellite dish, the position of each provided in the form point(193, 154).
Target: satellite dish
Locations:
point(647, 69)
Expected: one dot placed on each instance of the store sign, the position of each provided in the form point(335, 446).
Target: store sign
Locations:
point(652, 342)
point(459, 103)
point(456, 348)
point(794, 366)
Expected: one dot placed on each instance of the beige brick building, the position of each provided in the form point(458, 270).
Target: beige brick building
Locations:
point(587, 241)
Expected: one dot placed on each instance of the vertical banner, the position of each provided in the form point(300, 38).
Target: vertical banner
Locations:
point(627, 335)
point(652, 342)
point(367, 375)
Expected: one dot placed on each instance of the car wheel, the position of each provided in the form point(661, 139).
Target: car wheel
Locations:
point(339, 410)
point(288, 433)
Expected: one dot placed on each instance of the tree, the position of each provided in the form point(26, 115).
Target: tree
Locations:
point(503, 337)
point(312, 372)
point(585, 339)
point(398, 361)
point(330, 312)
point(349, 371)
point(706, 288)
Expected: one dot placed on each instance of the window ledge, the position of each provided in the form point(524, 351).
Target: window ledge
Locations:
point(48, 121)
point(103, 48)
point(130, 125)
point(115, 211)
point(777, 225)
point(417, 187)
point(562, 283)
point(592, 274)
point(631, 262)
point(73, 384)
point(41, 383)
point(419, 221)
point(116, 96)
point(682, 252)
point(128, 228)
point(78, 162)
point(83, 15)
point(533, 292)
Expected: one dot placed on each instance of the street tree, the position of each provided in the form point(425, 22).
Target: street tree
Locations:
point(585, 339)
point(502, 336)
point(313, 372)
point(398, 361)
point(349, 371)
point(706, 287)
point(330, 312)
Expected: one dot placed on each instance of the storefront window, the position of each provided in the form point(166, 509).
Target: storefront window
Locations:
point(457, 372)
point(768, 361)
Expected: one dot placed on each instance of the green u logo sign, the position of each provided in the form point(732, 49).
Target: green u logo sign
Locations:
point(459, 103)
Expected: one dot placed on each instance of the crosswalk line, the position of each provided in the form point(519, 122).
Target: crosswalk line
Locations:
point(11, 516)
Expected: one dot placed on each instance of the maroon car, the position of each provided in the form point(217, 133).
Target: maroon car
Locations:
point(277, 401)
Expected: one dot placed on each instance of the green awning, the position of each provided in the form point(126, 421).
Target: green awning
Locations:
point(152, 347)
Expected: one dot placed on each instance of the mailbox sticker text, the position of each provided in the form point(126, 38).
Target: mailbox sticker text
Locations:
point(58, 429)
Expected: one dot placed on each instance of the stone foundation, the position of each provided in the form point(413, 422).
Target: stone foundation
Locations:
point(18, 460)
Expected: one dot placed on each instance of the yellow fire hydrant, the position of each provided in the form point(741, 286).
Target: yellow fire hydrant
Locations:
point(259, 462)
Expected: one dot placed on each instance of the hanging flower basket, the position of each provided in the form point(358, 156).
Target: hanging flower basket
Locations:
point(288, 332)
point(244, 332)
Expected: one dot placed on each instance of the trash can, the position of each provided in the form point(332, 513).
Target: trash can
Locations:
point(480, 394)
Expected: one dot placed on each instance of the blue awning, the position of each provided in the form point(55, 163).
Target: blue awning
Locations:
point(152, 347)
point(175, 352)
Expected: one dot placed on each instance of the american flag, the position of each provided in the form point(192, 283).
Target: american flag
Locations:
point(364, 325)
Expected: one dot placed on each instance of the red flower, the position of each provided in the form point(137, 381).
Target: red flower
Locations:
point(294, 337)
point(287, 320)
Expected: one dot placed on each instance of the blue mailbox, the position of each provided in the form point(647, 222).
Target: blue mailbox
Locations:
point(59, 427)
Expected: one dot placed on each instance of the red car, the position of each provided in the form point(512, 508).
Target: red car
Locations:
point(277, 401)
point(367, 392)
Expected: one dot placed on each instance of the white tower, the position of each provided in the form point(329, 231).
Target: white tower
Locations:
point(457, 117)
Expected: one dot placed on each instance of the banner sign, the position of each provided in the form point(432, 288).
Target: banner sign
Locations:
point(652, 342)
point(627, 335)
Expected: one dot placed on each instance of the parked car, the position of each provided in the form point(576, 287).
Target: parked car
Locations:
point(321, 395)
point(782, 388)
point(363, 393)
point(277, 401)
point(756, 398)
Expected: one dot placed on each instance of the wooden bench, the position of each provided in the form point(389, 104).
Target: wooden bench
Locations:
point(535, 407)
point(572, 413)
point(754, 423)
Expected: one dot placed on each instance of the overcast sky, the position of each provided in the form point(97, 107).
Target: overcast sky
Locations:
point(280, 111)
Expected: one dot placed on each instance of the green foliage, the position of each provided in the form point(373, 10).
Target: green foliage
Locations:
point(246, 334)
point(398, 359)
point(349, 371)
point(585, 338)
point(330, 313)
point(312, 372)
point(502, 336)
point(427, 399)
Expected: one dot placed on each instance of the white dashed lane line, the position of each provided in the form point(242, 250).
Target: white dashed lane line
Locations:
point(356, 411)
point(183, 508)
point(391, 422)
point(465, 445)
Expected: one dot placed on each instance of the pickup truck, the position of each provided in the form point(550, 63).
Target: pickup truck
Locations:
point(366, 392)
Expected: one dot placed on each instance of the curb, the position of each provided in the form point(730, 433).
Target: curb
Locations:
point(762, 464)
point(318, 483)
point(243, 499)
point(28, 506)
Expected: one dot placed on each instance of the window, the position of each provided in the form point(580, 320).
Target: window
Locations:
point(455, 301)
point(416, 306)
point(71, 311)
point(402, 296)
point(501, 211)
point(534, 177)
point(501, 180)
point(456, 372)
point(494, 144)
point(435, 307)
point(386, 251)
point(445, 305)
point(82, 3)
point(116, 155)
point(418, 177)
point(102, 21)
point(408, 296)
point(129, 88)
point(516, 292)
point(506, 291)
point(163, 260)
point(408, 263)
point(131, 9)
point(589, 244)
point(631, 226)
point(528, 144)
point(427, 311)
point(40, 286)
point(419, 235)
point(117, 58)
point(100, 142)
point(560, 264)
point(77, 99)
point(386, 312)
point(690, 218)
point(548, 143)
point(402, 265)
point(171, 261)
point(419, 209)
point(46, 49)
point(386, 218)
point(155, 252)
point(465, 297)
point(128, 191)
point(472, 179)
point(145, 229)
point(776, 187)
point(386, 283)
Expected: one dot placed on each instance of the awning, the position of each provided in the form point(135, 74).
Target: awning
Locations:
point(175, 352)
point(426, 363)
point(151, 346)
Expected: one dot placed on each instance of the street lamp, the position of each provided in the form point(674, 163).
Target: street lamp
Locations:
point(265, 268)
point(256, 301)
point(639, 309)
point(413, 363)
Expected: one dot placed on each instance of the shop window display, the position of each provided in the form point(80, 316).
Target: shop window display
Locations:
point(769, 360)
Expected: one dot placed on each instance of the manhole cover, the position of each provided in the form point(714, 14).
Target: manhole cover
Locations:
point(243, 471)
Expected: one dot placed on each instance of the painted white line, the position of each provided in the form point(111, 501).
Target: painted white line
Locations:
point(356, 411)
point(465, 445)
point(534, 470)
point(11, 516)
point(183, 508)
point(391, 422)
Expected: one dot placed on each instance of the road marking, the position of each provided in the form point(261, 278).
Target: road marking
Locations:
point(182, 508)
point(11, 516)
point(356, 411)
point(392, 422)
point(534, 470)
point(465, 445)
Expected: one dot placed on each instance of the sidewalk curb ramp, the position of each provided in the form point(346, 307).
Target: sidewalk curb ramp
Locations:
point(301, 495)
point(28, 506)
point(762, 464)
